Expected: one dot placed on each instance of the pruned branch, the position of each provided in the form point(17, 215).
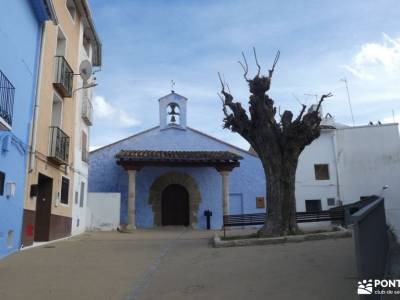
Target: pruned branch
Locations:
point(223, 105)
point(245, 67)
point(323, 97)
point(274, 64)
point(286, 119)
point(255, 58)
point(226, 83)
point(222, 83)
point(298, 119)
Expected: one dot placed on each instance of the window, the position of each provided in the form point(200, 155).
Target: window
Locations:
point(85, 152)
point(7, 92)
point(76, 197)
point(313, 205)
point(56, 113)
point(2, 180)
point(86, 44)
point(321, 171)
point(331, 201)
point(71, 8)
point(61, 43)
point(64, 190)
point(82, 194)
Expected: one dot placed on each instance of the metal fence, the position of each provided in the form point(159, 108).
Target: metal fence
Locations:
point(371, 242)
point(63, 77)
point(59, 145)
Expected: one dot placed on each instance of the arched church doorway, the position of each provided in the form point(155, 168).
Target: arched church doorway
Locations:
point(175, 205)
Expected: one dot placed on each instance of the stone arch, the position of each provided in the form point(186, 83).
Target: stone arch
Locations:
point(167, 179)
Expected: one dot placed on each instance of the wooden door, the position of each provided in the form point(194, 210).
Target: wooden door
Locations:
point(43, 208)
point(175, 206)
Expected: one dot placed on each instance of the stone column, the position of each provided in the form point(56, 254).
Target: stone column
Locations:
point(131, 199)
point(225, 192)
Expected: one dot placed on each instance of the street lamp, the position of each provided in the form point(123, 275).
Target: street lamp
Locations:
point(92, 84)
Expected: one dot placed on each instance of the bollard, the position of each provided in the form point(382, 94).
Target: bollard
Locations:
point(208, 215)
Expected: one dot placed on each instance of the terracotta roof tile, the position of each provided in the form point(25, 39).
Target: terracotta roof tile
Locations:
point(182, 156)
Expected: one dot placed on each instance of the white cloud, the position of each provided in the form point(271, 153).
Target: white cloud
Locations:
point(375, 59)
point(104, 111)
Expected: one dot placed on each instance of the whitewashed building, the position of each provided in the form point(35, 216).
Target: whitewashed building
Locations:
point(346, 164)
point(83, 121)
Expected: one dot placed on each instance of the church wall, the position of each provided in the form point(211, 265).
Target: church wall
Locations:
point(247, 181)
point(208, 181)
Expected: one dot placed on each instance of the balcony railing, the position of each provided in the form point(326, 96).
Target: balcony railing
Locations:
point(87, 111)
point(63, 77)
point(59, 146)
point(7, 92)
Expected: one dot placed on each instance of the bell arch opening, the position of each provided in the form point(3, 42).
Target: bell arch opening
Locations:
point(173, 114)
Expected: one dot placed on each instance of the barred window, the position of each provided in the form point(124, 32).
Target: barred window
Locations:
point(7, 92)
point(64, 190)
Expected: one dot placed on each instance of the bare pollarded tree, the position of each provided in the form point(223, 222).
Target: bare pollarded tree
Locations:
point(278, 142)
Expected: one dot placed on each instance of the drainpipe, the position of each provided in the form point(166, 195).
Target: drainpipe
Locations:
point(32, 158)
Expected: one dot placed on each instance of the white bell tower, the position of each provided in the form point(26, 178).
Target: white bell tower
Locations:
point(172, 111)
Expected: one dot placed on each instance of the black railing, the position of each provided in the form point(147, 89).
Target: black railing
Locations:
point(59, 146)
point(63, 77)
point(7, 92)
point(301, 217)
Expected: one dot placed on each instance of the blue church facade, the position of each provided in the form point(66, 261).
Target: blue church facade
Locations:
point(174, 154)
point(20, 42)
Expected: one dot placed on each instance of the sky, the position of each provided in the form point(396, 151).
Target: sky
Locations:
point(146, 44)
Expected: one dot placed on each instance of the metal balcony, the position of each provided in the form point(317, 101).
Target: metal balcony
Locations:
point(59, 146)
point(7, 92)
point(64, 77)
point(87, 111)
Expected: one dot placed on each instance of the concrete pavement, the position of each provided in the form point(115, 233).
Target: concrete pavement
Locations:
point(178, 264)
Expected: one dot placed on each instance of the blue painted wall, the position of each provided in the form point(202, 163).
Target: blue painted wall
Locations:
point(20, 34)
point(246, 182)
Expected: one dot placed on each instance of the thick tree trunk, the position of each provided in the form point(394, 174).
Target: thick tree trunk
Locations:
point(288, 185)
point(281, 208)
point(273, 221)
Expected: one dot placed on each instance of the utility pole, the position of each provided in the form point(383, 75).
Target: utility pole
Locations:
point(348, 98)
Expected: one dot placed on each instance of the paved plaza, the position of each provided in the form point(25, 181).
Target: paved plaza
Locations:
point(178, 263)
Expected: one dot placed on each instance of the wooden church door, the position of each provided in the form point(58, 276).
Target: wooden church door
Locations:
point(175, 205)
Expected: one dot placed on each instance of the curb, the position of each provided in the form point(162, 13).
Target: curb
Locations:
point(340, 233)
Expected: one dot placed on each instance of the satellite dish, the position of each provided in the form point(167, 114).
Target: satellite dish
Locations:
point(85, 70)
